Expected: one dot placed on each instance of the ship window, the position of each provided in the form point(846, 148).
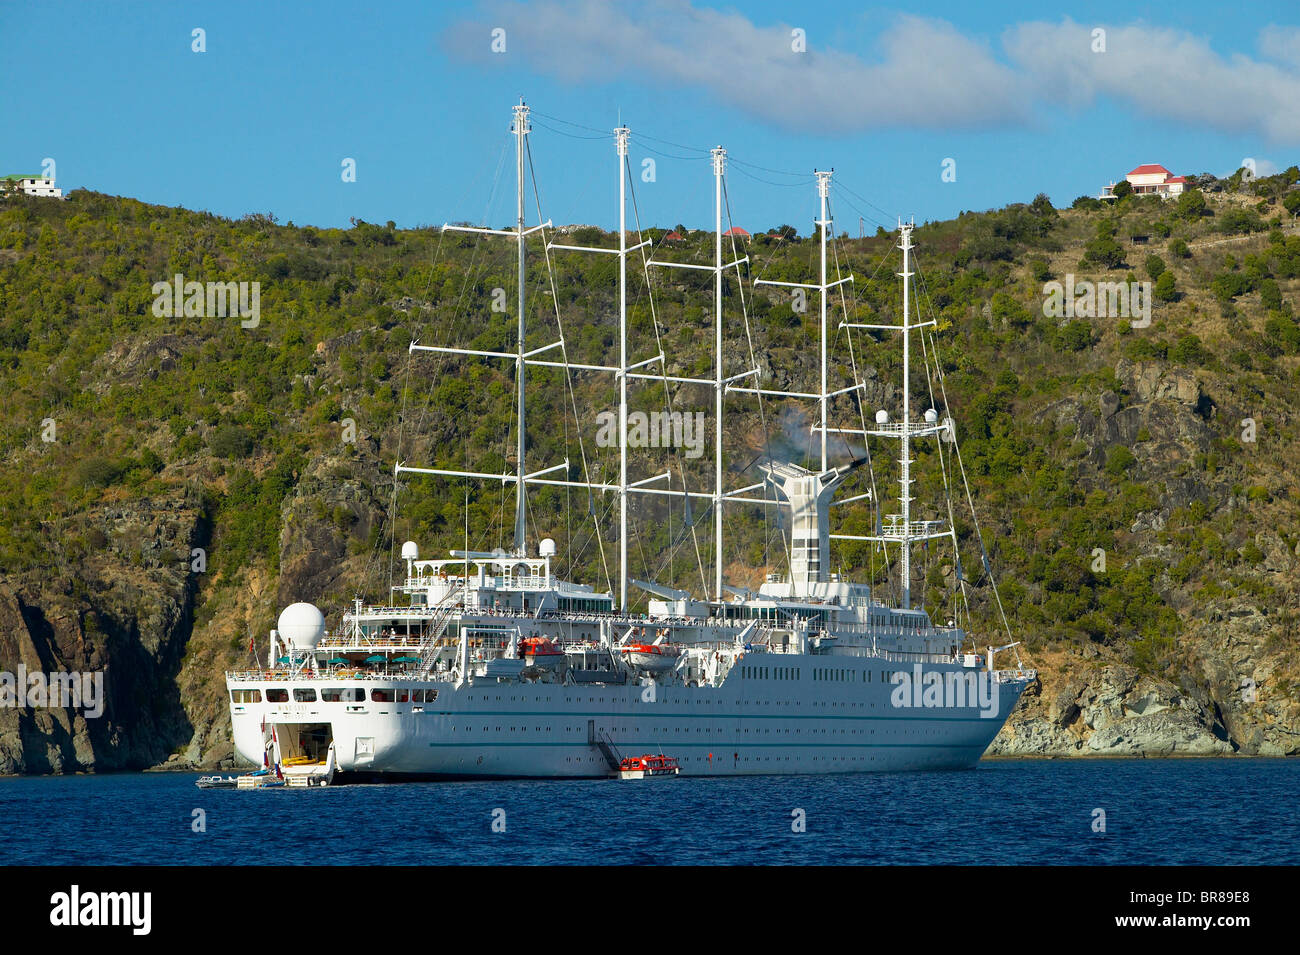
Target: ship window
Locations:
point(381, 696)
point(403, 695)
point(304, 695)
point(343, 694)
point(277, 696)
point(246, 696)
point(417, 696)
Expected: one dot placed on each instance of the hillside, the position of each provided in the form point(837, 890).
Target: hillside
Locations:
point(169, 483)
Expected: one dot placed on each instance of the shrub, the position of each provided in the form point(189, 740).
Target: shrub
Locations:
point(230, 441)
point(1119, 459)
point(1165, 290)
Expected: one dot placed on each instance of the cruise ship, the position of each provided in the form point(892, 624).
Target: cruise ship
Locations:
point(492, 664)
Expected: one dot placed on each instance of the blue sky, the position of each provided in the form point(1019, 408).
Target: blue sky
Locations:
point(1013, 92)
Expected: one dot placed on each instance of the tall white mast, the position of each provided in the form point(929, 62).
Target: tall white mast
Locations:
point(523, 358)
point(719, 167)
point(521, 130)
point(900, 528)
point(823, 188)
point(620, 135)
point(720, 383)
point(905, 475)
point(823, 289)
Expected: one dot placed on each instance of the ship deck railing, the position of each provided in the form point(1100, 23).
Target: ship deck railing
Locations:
point(286, 675)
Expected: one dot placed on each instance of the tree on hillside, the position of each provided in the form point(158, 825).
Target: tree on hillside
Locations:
point(1155, 266)
point(1105, 252)
point(1165, 290)
point(1191, 205)
point(1122, 188)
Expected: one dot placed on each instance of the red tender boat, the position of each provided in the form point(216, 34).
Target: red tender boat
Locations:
point(648, 767)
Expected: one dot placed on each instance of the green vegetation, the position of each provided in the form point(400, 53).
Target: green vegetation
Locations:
point(245, 422)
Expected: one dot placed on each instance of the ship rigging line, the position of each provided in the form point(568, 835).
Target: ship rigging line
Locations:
point(988, 566)
point(668, 400)
point(890, 217)
point(753, 363)
point(862, 415)
point(762, 413)
point(372, 563)
point(568, 372)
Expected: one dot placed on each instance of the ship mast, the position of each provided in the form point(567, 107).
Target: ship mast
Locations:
point(719, 167)
point(905, 462)
point(823, 187)
point(637, 370)
point(521, 128)
point(721, 384)
point(620, 142)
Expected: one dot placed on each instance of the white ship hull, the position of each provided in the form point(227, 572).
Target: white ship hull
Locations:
point(771, 716)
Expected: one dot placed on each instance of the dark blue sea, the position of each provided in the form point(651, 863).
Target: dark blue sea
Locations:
point(1156, 812)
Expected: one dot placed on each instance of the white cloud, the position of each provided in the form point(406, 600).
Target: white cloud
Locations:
point(927, 73)
point(1162, 73)
point(1280, 43)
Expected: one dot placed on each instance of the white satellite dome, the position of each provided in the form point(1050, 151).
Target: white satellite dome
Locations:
point(547, 547)
point(882, 416)
point(410, 551)
point(931, 416)
point(301, 625)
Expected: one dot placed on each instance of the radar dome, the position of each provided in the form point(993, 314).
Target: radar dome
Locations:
point(882, 416)
point(931, 416)
point(301, 625)
point(547, 547)
point(410, 551)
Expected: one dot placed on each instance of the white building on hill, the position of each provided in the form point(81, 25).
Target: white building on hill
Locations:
point(31, 185)
point(1151, 179)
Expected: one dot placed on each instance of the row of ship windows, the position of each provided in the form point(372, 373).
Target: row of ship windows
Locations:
point(336, 694)
point(737, 758)
point(356, 694)
point(822, 674)
point(665, 729)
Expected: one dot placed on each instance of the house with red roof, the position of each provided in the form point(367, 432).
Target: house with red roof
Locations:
point(673, 236)
point(1150, 179)
point(737, 231)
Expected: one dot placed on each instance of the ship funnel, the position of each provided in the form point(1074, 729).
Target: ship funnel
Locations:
point(809, 495)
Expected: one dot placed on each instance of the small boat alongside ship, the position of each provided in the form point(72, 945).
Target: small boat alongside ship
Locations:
point(649, 767)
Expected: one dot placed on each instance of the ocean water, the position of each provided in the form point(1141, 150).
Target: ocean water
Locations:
point(1156, 812)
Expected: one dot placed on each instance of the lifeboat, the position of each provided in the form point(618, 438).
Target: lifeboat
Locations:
point(650, 657)
point(648, 767)
point(540, 652)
